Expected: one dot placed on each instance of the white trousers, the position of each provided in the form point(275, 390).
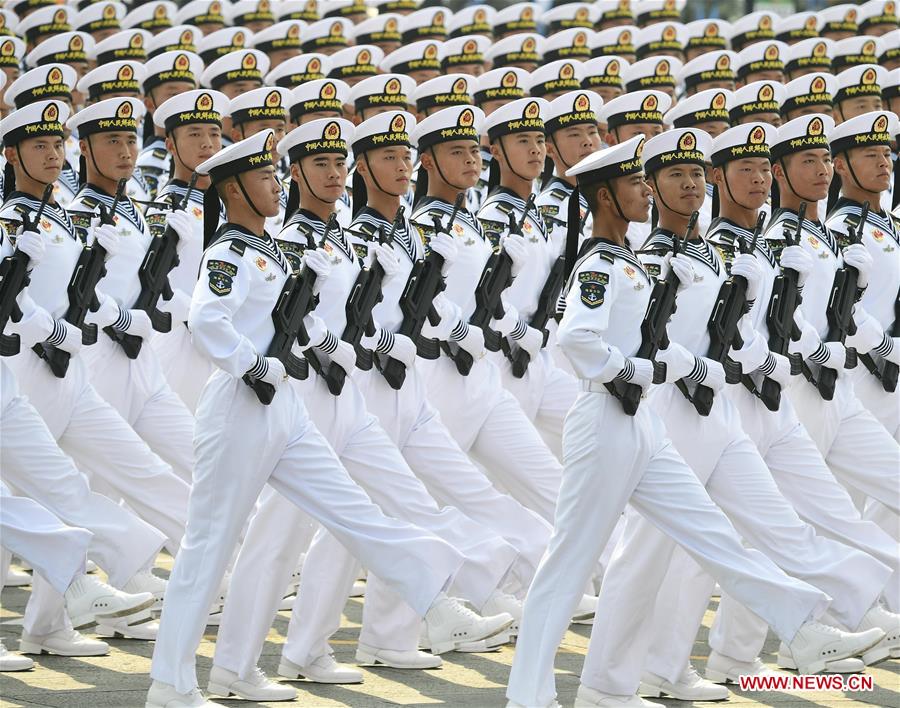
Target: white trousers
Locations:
point(240, 445)
point(184, 367)
point(883, 405)
point(611, 459)
point(728, 463)
point(100, 441)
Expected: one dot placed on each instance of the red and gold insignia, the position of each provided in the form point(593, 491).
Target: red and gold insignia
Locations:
point(109, 12)
point(757, 136)
point(815, 127)
point(261, 263)
point(54, 76)
point(337, 30)
point(509, 80)
point(765, 22)
point(650, 103)
point(669, 33)
point(470, 47)
point(182, 63)
point(820, 50)
point(51, 113)
point(567, 71)
point(398, 125)
point(529, 45)
point(438, 19)
point(332, 131)
point(711, 30)
point(817, 85)
point(625, 37)
point(687, 142)
point(532, 110)
point(851, 15)
point(293, 32)
point(364, 57)
point(187, 37)
point(766, 93)
point(880, 125)
point(270, 142)
point(125, 110)
point(718, 102)
point(580, 40)
point(137, 41)
point(868, 49)
point(630, 272)
point(391, 25)
point(582, 102)
point(60, 17)
point(273, 100)
point(7, 49)
point(466, 118)
point(878, 234)
point(126, 73)
point(431, 51)
point(328, 91)
point(479, 16)
point(249, 61)
point(160, 12)
point(581, 14)
point(460, 86)
point(662, 68)
point(393, 87)
point(613, 68)
point(869, 77)
point(771, 53)
point(76, 44)
point(314, 66)
point(527, 14)
point(239, 39)
point(811, 24)
point(723, 63)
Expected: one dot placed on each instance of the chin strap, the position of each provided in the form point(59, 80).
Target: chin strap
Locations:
point(94, 162)
point(375, 180)
point(731, 196)
point(247, 196)
point(612, 193)
point(787, 178)
point(508, 163)
point(657, 197)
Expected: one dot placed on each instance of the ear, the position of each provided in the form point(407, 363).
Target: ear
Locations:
point(551, 148)
point(777, 170)
point(295, 172)
point(235, 134)
point(83, 146)
point(362, 167)
point(170, 145)
point(149, 104)
point(11, 156)
point(610, 137)
point(495, 151)
point(427, 160)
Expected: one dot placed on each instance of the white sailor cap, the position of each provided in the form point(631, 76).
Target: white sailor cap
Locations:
point(282, 35)
point(473, 19)
point(172, 66)
point(99, 16)
point(679, 146)
point(668, 37)
point(243, 65)
point(853, 51)
point(603, 71)
point(112, 115)
point(244, 11)
point(814, 53)
point(251, 153)
point(557, 76)
point(707, 34)
point(44, 118)
point(754, 27)
point(838, 18)
point(878, 12)
point(190, 107)
point(520, 17)
point(12, 49)
point(469, 49)
point(306, 10)
point(427, 23)
point(152, 16)
point(117, 77)
point(652, 73)
point(609, 163)
point(298, 70)
point(756, 97)
point(447, 125)
point(201, 12)
point(44, 21)
point(384, 6)
point(613, 11)
point(816, 89)
point(807, 132)
point(576, 14)
point(796, 27)
point(891, 41)
point(761, 56)
point(635, 107)
point(343, 8)
point(861, 80)
point(520, 116)
point(127, 44)
point(614, 41)
point(381, 28)
point(20, 7)
point(522, 48)
point(891, 86)
point(360, 61)
point(572, 108)
point(330, 33)
point(418, 56)
point(41, 84)
point(444, 91)
point(707, 106)
point(384, 130)
point(266, 103)
point(392, 90)
point(716, 65)
point(181, 38)
point(224, 41)
point(873, 128)
point(573, 43)
point(649, 11)
point(65, 48)
point(504, 84)
point(741, 142)
point(319, 96)
point(8, 23)
point(321, 136)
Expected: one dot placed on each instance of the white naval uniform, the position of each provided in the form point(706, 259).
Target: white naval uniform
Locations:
point(136, 388)
point(744, 489)
point(184, 367)
point(83, 424)
point(153, 165)
point(276, 535)
point(242, 444)
point(612, 459)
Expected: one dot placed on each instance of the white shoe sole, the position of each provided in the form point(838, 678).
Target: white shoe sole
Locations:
point(819, 665)
point(719, 677)
point(37, 648)
point(88, 619)
point(365, 658)
point(222, 691)
point(843, 666)
point(450, 644)
point(651, 691)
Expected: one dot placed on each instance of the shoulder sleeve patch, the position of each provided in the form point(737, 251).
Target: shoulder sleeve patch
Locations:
point(653, 269)
point(593, 287)
point(221, 276)
point(293, 251)
point(361, 250)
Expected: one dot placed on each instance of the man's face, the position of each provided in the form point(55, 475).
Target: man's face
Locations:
point(852, 107)
point(808, 172)
point(12, 73)
point(233, 89)
point(704, 85)
point(459, 162)
point(714, 127)
point(195, 143)
point(42, 158)
point(572, 144)
point(470, 69)
point(309, 117)
point(871, 167)
point(522, 153)
point(390, 167)
point(325, 175)
point(768, 75)
point(162, 93)
point(628, 131)
point(633, 196)
point(252, 127)
point(749, 180)
point(608, 93)
point(278, 56)
point(422, 75)
point(262, 187)
point(113, 153)
point(681, 188)
point(770, 118)
point(823, 108)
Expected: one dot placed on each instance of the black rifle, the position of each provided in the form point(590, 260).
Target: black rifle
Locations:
point(14, 278)
point(160, 259)
point(364, 296)
point(82, 291)
point(839, 311)
point(417, 303)
point(660, 309)
point(780, 318)
point(731, 305)
point(889, 370)
point(495, 278)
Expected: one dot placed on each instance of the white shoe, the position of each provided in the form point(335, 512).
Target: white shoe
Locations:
point(90, 567)
point(513, 704)
point(16, 578)
point(89, 600)
point(412, 659)
point(449, 623)
point(501, 602)
point(889, 623)
point(162, 695)
point(120, 627)
point(258, 687)
point(587, 608)
point(723, 669)
point(589, 697)
point(13, 662)
point(841, 666)
point(146, 581)
point(482, 646)
point(358, 589)
point(689, 687)
point(65, 642)
point(323, 670)
point(815, 644)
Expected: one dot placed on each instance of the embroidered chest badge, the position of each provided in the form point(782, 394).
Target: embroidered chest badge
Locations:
point(593, 287)
point(261, 263)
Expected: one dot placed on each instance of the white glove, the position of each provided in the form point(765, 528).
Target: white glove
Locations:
point(106, 314)
point(678, 360)
point(181, 224)
point(506, 324)
point(344, 356)
point(473, 342)
point(746, 265)
point(134, 322)
point(640, 374)
point(869, 332)
point(396, 346)
point(796, 258)
point(709, 373)
point(178, 306)
point(755, 349)
point(517, 248)
point(108, 238)
point(318, 263)
point(444, 245)
point(388, 260)
point(832, 355)
point(778, 368)
point(450, 315)
point(268, 370)
point(532, 341)
point(316, 330)
point(32, 245)
point(683, 269)
point(858, 256)
point(66, 337)
point(809, 339)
